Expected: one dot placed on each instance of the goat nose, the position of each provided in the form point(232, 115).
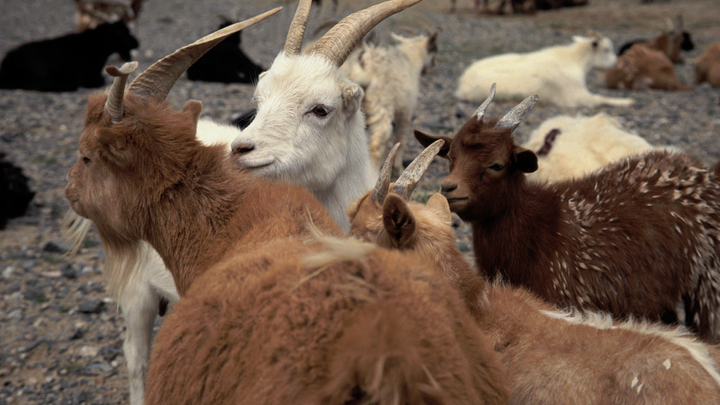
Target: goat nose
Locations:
point(243, 148)
point(448, 187)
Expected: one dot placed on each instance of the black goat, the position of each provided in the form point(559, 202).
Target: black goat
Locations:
point(225, 63)
point(15, 195)
point(68, 62)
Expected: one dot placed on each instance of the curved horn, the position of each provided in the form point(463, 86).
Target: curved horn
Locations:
point(293, 42)
point(337, 43)
point(405, 184)
point(480, 112)
point(513, 118)
point(156, 82)
point(114, 102)
point(383, 184)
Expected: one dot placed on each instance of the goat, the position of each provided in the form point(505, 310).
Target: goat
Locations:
point(707, 66)
point(90, 14)
point(637, 238)
point(670, 42)
point(68, 62)
point(217, 227)
point(225, 63)
point(556, 74)
point(641, 68)
point(550, 356)
point(390, 77)
point(571, 147)
point(16, 194)
point(309, 129)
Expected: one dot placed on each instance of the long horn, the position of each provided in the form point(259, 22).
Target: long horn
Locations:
point(513, 118)
point(337, 43)
point(405, 184)
point(383, 184)
point(156, 82)
point(295, 35)
point(480, 112)
point(114, 102)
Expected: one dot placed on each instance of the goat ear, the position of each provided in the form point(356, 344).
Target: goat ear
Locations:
point(439, 204)
point(427, 140)
point(193, 108)
point(115, 149)
point(352, 95)
point(398, 220)
point(526, 160)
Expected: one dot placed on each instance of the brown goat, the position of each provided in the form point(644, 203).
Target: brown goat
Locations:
point(707, 66)
point(642, 67)
point(549, 356)
point(671, 42)
point(637, 238)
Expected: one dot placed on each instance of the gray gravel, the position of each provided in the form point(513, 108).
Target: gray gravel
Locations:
point(61, 336)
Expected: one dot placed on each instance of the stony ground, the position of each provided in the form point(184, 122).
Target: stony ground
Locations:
point(60, 333)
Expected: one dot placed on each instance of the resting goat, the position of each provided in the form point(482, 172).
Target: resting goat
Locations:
point(300, 321)
point(226, 63)
point(68, 62)
point(707, 66)
point(637, 238)
point(643, 68)
point(16, 194)
point(571, 147)
point(557, 74)
point(550, 357)
point(670, 42)
point(390, 77)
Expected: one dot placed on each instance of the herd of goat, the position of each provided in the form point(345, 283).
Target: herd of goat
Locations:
point(293, 270)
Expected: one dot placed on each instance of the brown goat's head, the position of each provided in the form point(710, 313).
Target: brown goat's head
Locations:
point(485, 163)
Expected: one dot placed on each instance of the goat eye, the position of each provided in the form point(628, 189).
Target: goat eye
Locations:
point(320, 111)
point(496, 167)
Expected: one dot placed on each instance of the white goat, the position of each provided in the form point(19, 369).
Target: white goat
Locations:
point(390, 76)
point(309, 129)
point(556, 74)
point(569, 147)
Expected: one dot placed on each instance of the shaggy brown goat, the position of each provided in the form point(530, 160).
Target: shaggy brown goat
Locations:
point(637, 238)
point(642, 68)
point(707, 66)
point(549, 356)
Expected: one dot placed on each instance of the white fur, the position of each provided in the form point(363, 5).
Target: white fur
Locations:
point(290, 143)
point(584, 145)
point(556, 74)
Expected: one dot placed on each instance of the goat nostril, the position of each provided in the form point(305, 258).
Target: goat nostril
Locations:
point(446, 188)
point(243, 148)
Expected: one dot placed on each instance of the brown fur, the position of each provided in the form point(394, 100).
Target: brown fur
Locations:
point(550, 360)
point(642, 67)
point(707, 66)
point(634, 239)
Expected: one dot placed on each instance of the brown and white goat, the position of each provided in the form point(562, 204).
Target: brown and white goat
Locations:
point(642, 67)
point(636, 238)
point(267, 315)
point(707, 66)
point(550, 357)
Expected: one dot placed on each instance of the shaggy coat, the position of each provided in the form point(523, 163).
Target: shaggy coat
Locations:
point(68, 62)
point(643, 68)
point(634, 239)
point(707, 66)
point(550, 357)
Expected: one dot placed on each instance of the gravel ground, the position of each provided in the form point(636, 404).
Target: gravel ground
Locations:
point(60, 334)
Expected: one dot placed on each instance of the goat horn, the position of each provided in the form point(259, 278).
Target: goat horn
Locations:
point(156, 82)
point(341, 39)
point(383, 184)
point(405, 184)
point(513, 118)
point(114, 102)
point(480, 112)
point(293, 42)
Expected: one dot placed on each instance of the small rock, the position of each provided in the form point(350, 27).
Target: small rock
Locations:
point(79, 397)
point(91, 307)
point(89, 351)
point(109, 353)
point(8, 272)
point(4, 372)
point(77, 335)
point(16, 314)
point(53, 247)
point(35, 293)
point(10, 288)
point(68, 271)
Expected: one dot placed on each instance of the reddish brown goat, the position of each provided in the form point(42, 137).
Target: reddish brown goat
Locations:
point(707, 66)
point(636, 238)
point(267, 316)
point(642, 68)
point(549, 357)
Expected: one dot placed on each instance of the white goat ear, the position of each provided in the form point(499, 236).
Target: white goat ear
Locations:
point(352, 95)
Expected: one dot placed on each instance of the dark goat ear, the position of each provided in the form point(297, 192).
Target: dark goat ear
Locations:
point(427, 140)
point(398, 220)
point(115, 149)
point(525, 160)
point(194, 108)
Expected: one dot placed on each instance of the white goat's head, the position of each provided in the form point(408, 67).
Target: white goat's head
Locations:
point(602, 53)
point(424, 47)
point(309, 127)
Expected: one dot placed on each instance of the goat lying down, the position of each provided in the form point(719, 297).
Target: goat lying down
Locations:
point(637, 238)
point(270, 313)
point(641, 68)
point(707, 66)
point(557, 74)
point(550, 356)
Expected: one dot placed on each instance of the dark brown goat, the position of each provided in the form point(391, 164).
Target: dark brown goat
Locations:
point(637, 238)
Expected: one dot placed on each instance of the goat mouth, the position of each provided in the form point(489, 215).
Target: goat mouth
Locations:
point(257, 165)
point(456, 200)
